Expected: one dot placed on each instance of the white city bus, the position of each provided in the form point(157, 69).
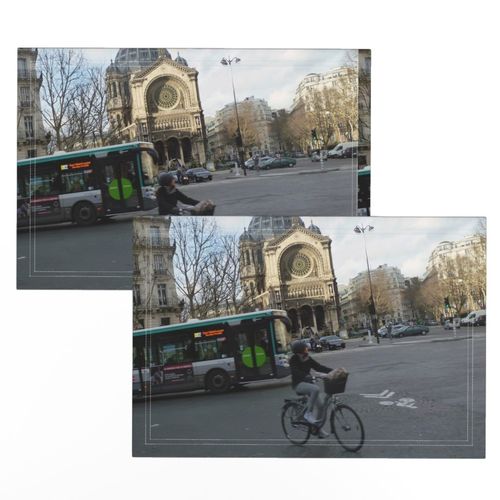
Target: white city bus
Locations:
point(213, 354)
point(83, 186)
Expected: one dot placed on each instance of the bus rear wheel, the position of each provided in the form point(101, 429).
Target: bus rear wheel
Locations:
point(218, 381)
point(84, 213)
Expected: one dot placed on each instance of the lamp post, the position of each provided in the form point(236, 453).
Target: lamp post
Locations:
point(229, 61)
point(373, 313)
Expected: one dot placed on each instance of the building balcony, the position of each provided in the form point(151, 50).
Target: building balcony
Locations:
point(27, 74)
point(151, 242)
point(161, 272)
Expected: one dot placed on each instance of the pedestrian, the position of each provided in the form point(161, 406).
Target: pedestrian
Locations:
point(389, 330)
point(256, 163)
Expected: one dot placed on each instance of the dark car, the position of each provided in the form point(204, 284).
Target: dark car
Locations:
point(199, 174)
point(412, 330)
point(350, 152)
point(332, 342)
point(283, 161)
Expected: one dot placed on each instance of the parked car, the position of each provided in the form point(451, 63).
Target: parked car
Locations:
point(250, 163)
point(480, 320)
point(431, 322)
point(318, 156)
point(332, 342)
point(411, 330)
point(395, 328)
point(298, 154)
point(198, 174)
point(472, 317)
point(282, 161)
point(448, 324)
point(343, 149)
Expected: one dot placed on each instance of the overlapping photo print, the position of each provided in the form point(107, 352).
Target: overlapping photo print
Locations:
point(292, 336)
point(234, 131)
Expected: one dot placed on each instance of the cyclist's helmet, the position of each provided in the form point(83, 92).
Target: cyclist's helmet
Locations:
point(165, 179)
point(299, 346)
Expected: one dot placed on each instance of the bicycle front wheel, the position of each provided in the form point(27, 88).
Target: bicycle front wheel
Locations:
point(295, 428)
point(347, 427)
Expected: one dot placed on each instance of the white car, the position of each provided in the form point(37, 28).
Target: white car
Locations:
point(448, 324)
point(339, 150)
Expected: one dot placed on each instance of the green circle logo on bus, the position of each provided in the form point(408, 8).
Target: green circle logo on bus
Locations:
point(247, 358)
point(114, 190)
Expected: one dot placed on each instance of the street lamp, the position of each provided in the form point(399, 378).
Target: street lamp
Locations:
point(239, 140)
point(373, 313)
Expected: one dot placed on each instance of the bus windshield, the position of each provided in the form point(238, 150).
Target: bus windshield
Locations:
point(148, 168)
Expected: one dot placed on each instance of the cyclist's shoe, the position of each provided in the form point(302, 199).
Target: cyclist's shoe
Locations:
point(309, 417)
point(322, 434)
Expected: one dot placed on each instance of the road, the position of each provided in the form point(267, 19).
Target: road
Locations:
point(303, 190)
point(444, 376)
point(64, 256)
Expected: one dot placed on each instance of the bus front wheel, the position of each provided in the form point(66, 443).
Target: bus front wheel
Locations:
point(84, 213)
point(218, 381)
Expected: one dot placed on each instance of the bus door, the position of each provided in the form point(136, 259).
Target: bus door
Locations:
point(253, 351)
point(119, 184)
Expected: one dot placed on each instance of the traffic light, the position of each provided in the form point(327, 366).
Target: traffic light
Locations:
point(447, 303)
point(314, 135)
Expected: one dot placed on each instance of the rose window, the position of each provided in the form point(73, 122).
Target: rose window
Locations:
point(167, 96)
point(300, 265)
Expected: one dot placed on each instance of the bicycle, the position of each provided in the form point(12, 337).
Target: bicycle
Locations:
point(345, 423)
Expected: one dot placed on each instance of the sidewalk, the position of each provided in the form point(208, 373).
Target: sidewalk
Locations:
point(277, 172)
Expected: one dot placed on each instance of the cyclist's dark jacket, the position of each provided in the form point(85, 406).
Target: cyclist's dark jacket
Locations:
point(167, 200)
point(300, 369)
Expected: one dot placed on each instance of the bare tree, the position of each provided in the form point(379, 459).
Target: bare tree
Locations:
point(195, 240)
point(62, 73)
point(97, 82)
point(383, 296)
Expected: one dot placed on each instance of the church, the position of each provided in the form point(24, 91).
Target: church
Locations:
point(286, 265)
point(154, 98)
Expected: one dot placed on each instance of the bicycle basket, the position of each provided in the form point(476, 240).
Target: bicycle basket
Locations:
point(335, 386)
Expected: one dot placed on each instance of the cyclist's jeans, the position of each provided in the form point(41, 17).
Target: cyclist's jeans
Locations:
point(311, 390)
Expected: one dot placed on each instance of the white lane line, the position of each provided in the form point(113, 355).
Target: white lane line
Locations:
point(23, 257)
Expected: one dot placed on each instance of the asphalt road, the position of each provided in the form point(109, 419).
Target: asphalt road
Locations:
point(302, 190)
point(444, 376)
point(65, 256)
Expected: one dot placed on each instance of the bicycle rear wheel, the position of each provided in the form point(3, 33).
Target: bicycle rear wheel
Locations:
point(295, 428)
point(347, 427)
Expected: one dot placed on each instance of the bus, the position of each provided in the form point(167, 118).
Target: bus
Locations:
point(83, 186)
point(213, 354)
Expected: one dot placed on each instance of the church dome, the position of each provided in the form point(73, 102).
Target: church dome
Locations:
point(267, 227)
point(246, 236)
point(181, 60)
point(135, 59)
point(314, 228)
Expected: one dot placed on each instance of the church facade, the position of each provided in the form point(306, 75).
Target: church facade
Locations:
point(286, 265)
point(154, 98)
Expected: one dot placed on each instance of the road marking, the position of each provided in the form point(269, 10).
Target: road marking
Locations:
point(383, 395)
point(23, 257)
point(155, 425)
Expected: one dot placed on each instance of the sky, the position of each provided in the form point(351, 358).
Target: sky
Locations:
point(404, 242)
point(271, 74)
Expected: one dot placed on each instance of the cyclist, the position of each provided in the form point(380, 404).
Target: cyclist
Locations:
point(301, 364)
point(171, 201)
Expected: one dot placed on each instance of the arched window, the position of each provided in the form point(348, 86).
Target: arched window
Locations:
point(114, 90)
